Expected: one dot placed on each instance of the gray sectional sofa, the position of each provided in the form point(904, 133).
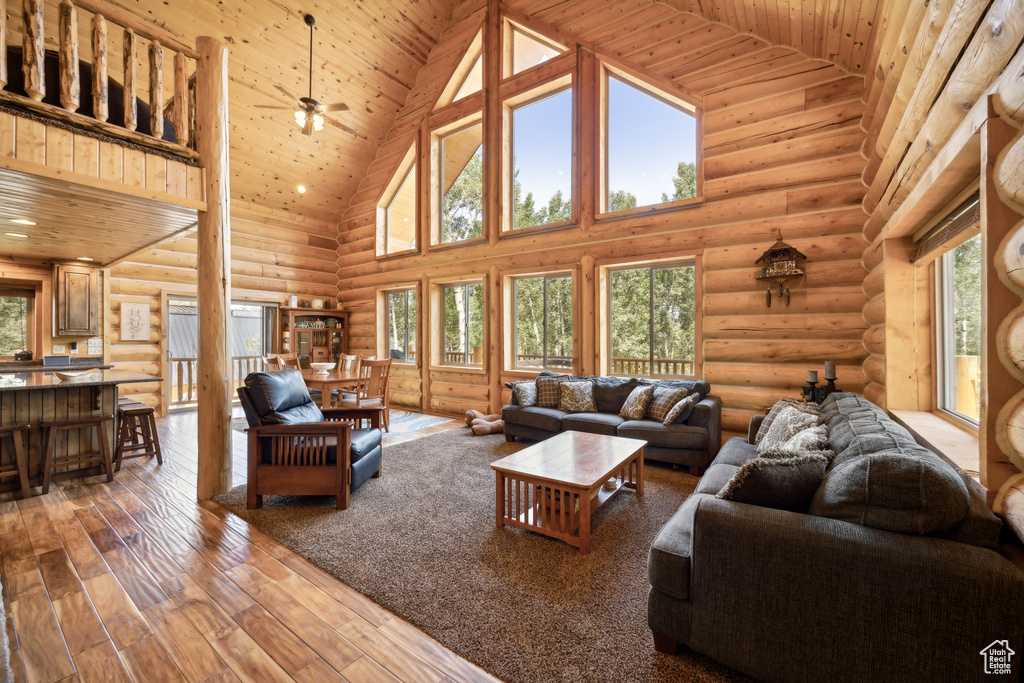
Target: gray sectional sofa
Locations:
point(692, 443)
point(795, 596)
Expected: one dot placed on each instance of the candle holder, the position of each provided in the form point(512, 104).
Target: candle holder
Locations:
point(812, 392)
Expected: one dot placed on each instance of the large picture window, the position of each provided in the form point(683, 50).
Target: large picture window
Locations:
point(463, 324)
point(542, 323)
point(401, 311)
point(958, 326)
point(461, 177)
point(650, 148)
point(542, 161)
point(653, 321)
point(16, 321)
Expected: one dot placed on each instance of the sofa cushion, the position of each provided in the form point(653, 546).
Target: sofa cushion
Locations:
point(611, 392)
point(593, 423)
point(908, 490)
point(717, 476)
point(736, 451)
point(662, 401)
point(576, 396)
point(547, 391)
point(282, 398)
point(680, 412)
point(780, 483)
point(691, 385)
point(547, 419)
point(668, 563)
point(525, 393)
point(979, 526)
point(665, 436)
point(842, 434)
point(787, 424)
point(364, 441)
point(778, 407)
point(872, 442)
point(635, 406)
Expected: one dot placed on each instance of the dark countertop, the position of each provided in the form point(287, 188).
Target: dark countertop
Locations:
point(47, 380)
point(37, 365)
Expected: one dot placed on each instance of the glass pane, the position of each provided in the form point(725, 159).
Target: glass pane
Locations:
point(247, 331)
point(474, 80)
point(410, 353)
point(630, 321)
point(542, 161)
point(462, 205)
point(559, 339)
point(967, 327)
point(397, 327)
point(475, 333)
point(463, 324)
point(674, 321)
point(528, 52)
point(401, 220)
point(14, 324)
point(529, 327)
point(651, 149)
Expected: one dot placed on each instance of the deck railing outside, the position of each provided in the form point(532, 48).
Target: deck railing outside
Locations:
point(639, 367)
point(183, 376)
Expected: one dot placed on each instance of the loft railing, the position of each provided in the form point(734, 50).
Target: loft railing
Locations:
point(35, 34)
point(183, 376)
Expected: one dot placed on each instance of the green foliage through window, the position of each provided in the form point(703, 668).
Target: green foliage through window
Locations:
point(15, 319)
point(653, 321)
point(402, 325)
point(463, 324)
point(462, 173)
point(543, 323)
point(542, 161)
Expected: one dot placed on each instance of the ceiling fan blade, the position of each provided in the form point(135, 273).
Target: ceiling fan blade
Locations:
point(334, 107)
point(271, 106)
point(286, 93)
point(351, 131)
point(308, 128)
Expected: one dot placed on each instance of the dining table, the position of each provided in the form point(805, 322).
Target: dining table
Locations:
point(330, 382)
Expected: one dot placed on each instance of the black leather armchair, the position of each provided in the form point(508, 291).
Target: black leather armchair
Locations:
point(297, 449)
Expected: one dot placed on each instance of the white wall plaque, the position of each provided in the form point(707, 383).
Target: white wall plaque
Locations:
point(134, 322)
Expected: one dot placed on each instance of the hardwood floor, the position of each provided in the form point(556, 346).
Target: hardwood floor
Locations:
point(135, 580)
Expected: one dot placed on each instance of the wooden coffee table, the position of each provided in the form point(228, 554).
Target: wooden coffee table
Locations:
point(554, 486)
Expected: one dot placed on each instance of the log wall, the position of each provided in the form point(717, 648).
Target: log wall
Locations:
point(273, 255)
point(781, 152)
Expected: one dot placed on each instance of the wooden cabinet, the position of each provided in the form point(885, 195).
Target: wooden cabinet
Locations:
point(319, 334)
point(76, 301)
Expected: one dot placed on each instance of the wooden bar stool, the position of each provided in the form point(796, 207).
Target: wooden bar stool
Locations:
point(136, 434)
point(20, 467)
point(101, 457)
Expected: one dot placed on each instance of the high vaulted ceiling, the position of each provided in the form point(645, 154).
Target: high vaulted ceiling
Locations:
point(368, 54)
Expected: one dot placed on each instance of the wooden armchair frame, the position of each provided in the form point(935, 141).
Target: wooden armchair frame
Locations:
point(297, 461)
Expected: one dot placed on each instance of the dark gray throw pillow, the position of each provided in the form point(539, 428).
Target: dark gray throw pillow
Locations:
point(780, 483)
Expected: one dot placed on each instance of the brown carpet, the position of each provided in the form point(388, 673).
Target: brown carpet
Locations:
point(421, 541)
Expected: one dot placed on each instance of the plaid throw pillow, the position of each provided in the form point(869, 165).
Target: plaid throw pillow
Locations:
point(636, 405)
point(547, 391)
point(577, 397)
point(526, 393)
point(681, 410)
point(663, 400)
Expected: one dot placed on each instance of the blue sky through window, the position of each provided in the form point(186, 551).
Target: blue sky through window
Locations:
point(647, 138)
point(542, 147)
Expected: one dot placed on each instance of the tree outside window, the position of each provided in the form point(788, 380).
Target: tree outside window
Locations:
point(401, 307)
point(959, 327)
point(543, 323)
point(15, 321)
point(653, 321)
point(462, 187)
point(542, 161)
point(463, 324)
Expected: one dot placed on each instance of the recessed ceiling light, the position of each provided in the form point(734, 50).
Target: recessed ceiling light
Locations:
point(22, 221)
point(84, 258)
point(15, 234)
point(301, 189)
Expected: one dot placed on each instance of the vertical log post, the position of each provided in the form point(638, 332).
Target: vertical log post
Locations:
point(131, 56)
point(156, 89)
point(493, 113)
point(214, 249)
point(3, 43)
point(181, 132)
point(70, 81)
point(33, 50)
point(100, 87)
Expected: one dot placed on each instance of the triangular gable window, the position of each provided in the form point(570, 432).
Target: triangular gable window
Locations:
point(474, 80)
point(530, 50)
point(468, 77)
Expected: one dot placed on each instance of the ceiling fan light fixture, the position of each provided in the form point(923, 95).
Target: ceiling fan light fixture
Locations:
point(300, 118)
point(318, 122)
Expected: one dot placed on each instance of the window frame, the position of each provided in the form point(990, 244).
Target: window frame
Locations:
point(436, 172)
point(604, 271)
point(407, 169)
point(509, 28)
point(436, 288)
point(383, 321)
point(607, 70)
point(509, 317)
point(560, 83)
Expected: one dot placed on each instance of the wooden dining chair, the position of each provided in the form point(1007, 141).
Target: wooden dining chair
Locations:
point(272, 361)
point(372, 391)
point(347, 362)
point(287, 362)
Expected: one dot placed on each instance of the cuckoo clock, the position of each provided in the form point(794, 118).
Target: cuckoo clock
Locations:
point(779, 266)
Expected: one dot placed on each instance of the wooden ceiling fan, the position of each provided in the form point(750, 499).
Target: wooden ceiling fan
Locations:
point(309, 113)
